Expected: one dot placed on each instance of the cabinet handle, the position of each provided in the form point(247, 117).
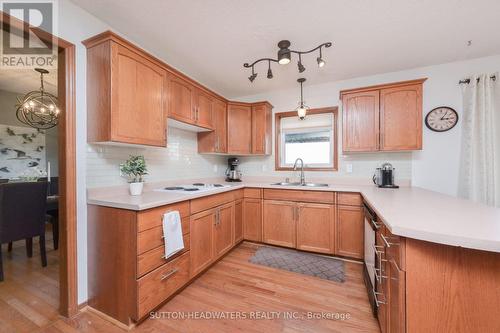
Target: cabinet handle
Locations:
point(169, 274)
point(377, 302)
point(217, 143)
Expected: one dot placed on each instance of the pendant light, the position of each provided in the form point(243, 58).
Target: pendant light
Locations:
point(38, 108)
point(302, 108)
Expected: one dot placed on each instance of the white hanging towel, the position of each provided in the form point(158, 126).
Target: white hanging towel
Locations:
point(172, 233)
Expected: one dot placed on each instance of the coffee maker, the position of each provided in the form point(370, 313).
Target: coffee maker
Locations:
point(384, 176)
point(232, 172)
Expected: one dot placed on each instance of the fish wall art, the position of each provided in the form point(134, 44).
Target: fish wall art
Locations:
point(22, 151)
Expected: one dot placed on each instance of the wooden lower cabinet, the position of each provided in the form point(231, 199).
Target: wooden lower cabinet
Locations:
point(396, 296)
point(157, 286)
point(238, 221)
point(252, 219)
point(350, 231)
point(279, 227)
point(202, 240)
point(223, 229)
point(315, 227)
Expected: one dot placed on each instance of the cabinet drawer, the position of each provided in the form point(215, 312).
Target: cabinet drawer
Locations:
point(154, 258)
point(152, 238)
point(201, 204)
point(298, 195)
point(153, 217)
point(157, 286)
point(349, 199)
point(255, 193)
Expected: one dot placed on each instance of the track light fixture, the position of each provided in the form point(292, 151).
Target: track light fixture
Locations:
point(285, 57)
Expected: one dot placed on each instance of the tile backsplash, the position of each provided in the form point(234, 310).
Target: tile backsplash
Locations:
point(180, 160)
point(363, 166)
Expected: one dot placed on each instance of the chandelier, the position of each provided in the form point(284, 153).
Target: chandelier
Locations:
point(302, 108)
point(38, 108)
point(285, 57)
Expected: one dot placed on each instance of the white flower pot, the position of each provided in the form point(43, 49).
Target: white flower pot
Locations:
point(136, 188)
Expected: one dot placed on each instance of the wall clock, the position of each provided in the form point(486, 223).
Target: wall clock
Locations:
point(441, 119)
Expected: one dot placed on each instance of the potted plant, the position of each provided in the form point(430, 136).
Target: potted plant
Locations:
point(135, 168)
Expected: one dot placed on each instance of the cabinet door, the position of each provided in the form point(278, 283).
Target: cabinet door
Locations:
point(360, 121)
point(252, 219)
point(315, 228)
point(204, 109)
point(401, 118)
point(238, 221)
point(137, 82)
point(261, 124)
point(181, 100)
point(201, 240)
point(396, 298)
point(239, 129)
point(350, 232)
point(280, 219)
point(224, 224)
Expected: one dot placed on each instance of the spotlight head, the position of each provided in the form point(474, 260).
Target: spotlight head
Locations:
point(252, 77)
point(284, 52)
point(320, 61)
point(301, 67)
point(269, 73)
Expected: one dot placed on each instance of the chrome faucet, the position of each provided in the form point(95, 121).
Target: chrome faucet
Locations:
point(302, 177)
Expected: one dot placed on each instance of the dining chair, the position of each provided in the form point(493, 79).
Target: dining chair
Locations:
point(53, 207)
point(22, 216)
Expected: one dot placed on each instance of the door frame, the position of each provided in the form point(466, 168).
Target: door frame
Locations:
point(68, 287)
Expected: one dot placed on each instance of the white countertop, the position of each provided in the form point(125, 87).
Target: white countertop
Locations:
point(408, 211)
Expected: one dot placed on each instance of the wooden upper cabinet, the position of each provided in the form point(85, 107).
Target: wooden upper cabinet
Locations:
point(215, 141)
point(383, 118)
point(315, 227)
point(181, 100)
point(261, 128)
point(279, 223)
point(360, 119)
point(204, 108)
point(126, 94)
point(401, 118)
point(239, 128)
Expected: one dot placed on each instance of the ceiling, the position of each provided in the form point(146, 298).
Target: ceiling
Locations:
point(22, 81)
point(210, 40)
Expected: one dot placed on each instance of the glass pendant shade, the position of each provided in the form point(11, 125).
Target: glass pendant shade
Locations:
point(38, 109)
point(302, 111)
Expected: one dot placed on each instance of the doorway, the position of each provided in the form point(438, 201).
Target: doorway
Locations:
point(64, 79)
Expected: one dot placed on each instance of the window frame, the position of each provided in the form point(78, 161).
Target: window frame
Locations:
point(278, 144)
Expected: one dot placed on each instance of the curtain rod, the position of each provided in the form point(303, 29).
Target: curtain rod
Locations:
point(467, 81)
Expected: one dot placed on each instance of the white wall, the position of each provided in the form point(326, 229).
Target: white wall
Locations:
point(435, 167)
point(75, 25)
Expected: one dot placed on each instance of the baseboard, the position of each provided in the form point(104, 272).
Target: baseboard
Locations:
point(108, 318)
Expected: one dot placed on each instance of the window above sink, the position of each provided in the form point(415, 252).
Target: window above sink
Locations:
point(313, 139)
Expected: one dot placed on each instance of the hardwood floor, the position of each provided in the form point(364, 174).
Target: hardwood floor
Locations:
point(236, 287)
point(29, 294)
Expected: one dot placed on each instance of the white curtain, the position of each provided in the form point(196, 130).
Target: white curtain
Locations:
point(480, 151)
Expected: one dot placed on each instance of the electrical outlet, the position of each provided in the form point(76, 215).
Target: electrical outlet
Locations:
point(264, 167)
point(348, 168)
point(215, 168)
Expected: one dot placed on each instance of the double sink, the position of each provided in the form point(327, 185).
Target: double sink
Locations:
point(301, 184)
